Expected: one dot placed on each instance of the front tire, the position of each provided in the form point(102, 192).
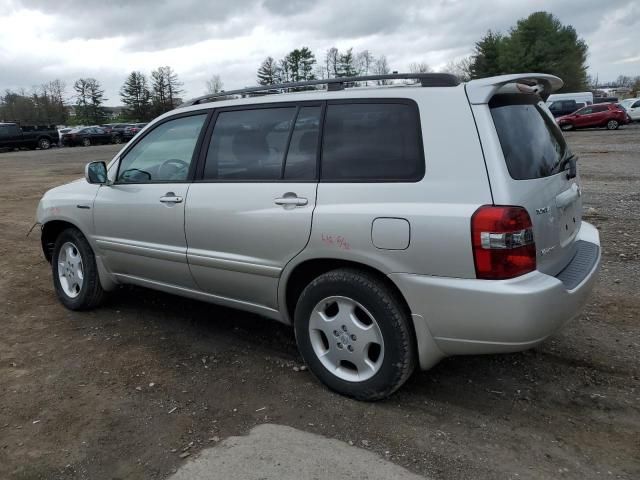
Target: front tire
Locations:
point(75, 274)
point(566, 127)
point(355, 334)
point(86, 142)
point(612, 125)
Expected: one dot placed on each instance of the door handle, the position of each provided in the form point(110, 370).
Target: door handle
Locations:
point(294, 201)
point(170, 197)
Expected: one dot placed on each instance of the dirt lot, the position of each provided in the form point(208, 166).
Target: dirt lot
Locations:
point(121, 391)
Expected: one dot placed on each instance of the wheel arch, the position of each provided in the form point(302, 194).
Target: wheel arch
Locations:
point(48, 236)
point(296, 278)
point(50, 231)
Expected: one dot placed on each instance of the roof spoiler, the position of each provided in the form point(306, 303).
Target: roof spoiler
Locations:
point(480, 91)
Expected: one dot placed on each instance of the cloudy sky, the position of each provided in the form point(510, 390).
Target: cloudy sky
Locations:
point(41, 40)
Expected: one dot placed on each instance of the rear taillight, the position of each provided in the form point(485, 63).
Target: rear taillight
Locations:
point(503, 244)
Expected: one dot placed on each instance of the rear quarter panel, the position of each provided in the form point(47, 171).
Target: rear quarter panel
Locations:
point(438, 207)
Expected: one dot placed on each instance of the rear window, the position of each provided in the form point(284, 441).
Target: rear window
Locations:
point(532, 143)
point(372, 142)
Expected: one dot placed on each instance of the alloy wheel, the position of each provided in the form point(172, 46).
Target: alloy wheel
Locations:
point(346, 339)
point(70, 269)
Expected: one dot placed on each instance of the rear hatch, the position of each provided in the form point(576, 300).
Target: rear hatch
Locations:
point(541, 177)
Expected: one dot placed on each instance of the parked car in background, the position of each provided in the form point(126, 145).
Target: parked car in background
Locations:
point(61, 132)
point(117, 130)
point(607, 115)
point(14, 135)
point(564, 103)
point(338, 226)
point(131, 130)
point(88, 136)
point(559, 108)
point(632, 107)
point(605, 100)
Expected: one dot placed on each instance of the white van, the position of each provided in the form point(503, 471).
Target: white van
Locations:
point(578, 97)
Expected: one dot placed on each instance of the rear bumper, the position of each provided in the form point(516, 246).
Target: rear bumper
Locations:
point(470, 316)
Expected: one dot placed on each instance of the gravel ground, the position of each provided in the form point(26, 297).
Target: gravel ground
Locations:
point(126, 390)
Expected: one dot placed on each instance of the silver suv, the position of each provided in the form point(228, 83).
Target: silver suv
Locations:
point(391, 226)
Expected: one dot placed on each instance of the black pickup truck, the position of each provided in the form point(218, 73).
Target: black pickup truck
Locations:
point(12, 135)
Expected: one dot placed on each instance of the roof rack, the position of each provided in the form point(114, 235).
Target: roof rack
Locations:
point(333, 84)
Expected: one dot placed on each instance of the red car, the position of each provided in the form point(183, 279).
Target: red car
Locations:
point(607, 115)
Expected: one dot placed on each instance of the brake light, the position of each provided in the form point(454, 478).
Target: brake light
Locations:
point(503, 244)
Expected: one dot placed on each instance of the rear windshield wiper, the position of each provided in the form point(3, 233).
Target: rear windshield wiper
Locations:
point(571, 160)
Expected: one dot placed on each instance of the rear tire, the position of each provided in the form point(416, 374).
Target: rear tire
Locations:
point(44, 144)
point(86, 142)
point(75, 274)
point(355, 334)
point(612, 125)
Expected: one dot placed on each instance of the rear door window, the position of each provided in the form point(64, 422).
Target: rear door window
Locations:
point(532, 143)
point(249, 144)
point(366, 142)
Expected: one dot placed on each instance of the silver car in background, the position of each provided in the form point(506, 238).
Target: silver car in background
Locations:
point(391, 226)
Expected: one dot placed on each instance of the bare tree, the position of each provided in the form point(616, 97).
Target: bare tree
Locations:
point(420, 67)
point(461, 68)
point(89, 99)
point(381, 67)
point(214, 85)
point(332, 62)
point(165, 90)
point(364, 61)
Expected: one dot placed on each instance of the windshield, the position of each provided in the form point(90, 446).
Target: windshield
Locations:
point(532, 143)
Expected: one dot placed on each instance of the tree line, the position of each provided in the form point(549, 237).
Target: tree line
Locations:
point(43, 104)
point(538, 43)
point(143, 98)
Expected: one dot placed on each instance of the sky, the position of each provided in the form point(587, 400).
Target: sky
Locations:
point(41, 40)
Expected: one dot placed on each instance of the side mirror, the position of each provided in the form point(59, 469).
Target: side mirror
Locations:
point(96, 172)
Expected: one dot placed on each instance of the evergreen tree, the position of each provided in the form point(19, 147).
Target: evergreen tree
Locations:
point(136, 97)
point(346, 66)
point(540, 43)
point(300, 64)
point(486, 56)
point(268, 73)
